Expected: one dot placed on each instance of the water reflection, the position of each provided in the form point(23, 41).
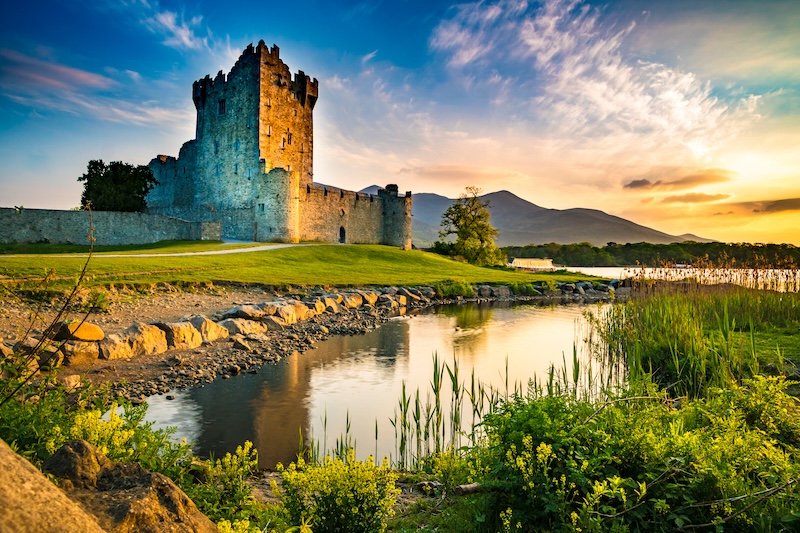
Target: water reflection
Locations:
point(359, 378)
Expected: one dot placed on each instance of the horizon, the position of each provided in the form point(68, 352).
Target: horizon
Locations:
point(678, 116)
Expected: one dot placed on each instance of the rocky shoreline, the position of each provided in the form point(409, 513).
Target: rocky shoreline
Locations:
point(161, 357)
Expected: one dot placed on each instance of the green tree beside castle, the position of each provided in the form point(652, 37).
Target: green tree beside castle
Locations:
point(469, 220)
point(117, 186)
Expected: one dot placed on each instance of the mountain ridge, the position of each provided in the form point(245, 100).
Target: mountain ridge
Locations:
point(521, 222)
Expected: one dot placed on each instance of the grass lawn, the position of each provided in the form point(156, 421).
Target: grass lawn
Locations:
point(329, 265)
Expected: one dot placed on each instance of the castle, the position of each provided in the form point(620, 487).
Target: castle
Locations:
point(250, 166)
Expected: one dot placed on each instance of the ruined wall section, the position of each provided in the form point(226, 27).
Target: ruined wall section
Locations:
point(326, 212)
point(176, 180)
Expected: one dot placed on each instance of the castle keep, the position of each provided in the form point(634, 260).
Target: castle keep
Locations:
point(250, 166)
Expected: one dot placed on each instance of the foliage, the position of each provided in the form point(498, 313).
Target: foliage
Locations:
point(222, 491)
point(560, 464)
point(338, 495)
point(117, 186)
point(644, 253)
point(469, 220)
point(690, 337)
point(454, 288)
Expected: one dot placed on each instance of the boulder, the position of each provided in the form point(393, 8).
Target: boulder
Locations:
point(124, 497)
point(331, 305)
point(391, 291)
point(502, 291)
point(5, 350)
point(288, 312)
point(209, 330)
point(269, 308)
point(180, 335)
point(242, 326)
point(247, 311)
point(79, 352)
point(484, 291)
point(146, 339)
point(369, 297)
point(274, 323)
point(50, 357)
point(77, 331)
point(239, 343)
point(70, 382)
point(315, 304)
point(31, 503)
point(352, 300)
point(427, 292)
point(115, 347)
point(409, 293)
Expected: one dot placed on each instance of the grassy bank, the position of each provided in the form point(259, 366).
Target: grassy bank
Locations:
point(327, 265)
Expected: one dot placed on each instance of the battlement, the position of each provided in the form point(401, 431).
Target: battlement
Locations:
point(305, 88)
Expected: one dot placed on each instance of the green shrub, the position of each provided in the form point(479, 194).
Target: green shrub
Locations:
point(560, 464)
point(338, 495)
point(522, 288)
point(453, 288)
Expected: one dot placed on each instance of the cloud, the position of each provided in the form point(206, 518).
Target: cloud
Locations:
point(690, 181)
point(694, 198)
point(571, 77)
point(177, 33)
point(19, 71)
point(772, 206)
point(462, 174)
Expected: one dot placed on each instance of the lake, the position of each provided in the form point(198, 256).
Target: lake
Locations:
point(359, 379)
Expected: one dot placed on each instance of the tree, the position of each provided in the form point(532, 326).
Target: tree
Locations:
point(469, 220)
point(117, 186)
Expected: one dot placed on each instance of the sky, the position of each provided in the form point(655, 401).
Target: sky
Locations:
point(681, 115)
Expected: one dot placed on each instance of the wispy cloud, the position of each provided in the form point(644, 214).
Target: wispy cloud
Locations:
point(572, 78)
point(45, 85)
point(176, 31)
point(771, 206)
point(694, 198)
point(690, 181)
point(21, 71)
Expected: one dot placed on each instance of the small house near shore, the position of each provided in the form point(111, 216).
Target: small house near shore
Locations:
point(531, 263)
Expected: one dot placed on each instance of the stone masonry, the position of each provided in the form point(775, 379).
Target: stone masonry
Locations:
point(250, 166)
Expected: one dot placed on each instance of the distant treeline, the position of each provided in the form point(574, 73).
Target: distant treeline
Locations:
point(643, 253)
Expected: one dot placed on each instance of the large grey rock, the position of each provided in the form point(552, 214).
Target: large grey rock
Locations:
point(315, 304)
point(242, 326)
point(352, 300)
point(74, 330)
point(370, 297)
point(115, 347)
point(30, 503)
point(409, 293)
point(79, 352)
point(274, 323)
point(146, 339)
point(502, 291)
point(180, 335)
point(247, 311)
point(292, 311)
point(124, 497)
point(5, 350)
point(209, 330)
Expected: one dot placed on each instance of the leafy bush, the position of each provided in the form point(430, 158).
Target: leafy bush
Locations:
point(560, 464)
point(338, 495)
point(453, 288)
point(523, 288)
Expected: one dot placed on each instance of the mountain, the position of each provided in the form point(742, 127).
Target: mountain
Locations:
point(521, 222)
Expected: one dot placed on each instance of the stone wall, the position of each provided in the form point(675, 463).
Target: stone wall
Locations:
point(110, 227)
point(327, 214)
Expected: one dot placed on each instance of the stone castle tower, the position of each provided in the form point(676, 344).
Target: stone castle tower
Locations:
point(250, 165)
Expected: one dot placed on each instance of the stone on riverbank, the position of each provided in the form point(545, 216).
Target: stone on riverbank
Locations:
point(180, 335)
point(209, 330)
point(75, 331)
point(146, 339)
point(124, 497)
point(242, 326)
point(79, 352)
point(30, 503)
point(247, 311)
point(115, 347)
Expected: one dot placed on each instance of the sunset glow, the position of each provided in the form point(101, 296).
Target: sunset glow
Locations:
point(679, 115)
